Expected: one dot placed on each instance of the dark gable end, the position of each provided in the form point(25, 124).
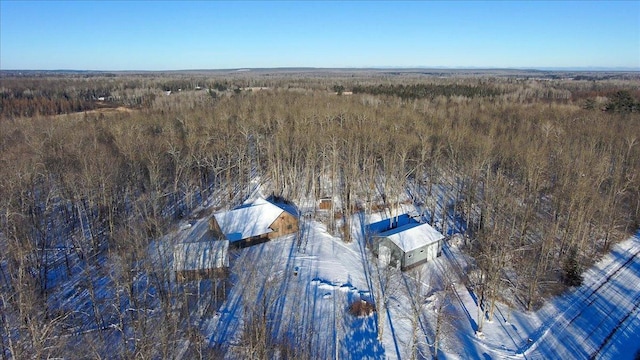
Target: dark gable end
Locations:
point(214, 227)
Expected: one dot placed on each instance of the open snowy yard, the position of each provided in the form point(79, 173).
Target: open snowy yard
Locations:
point(308, 281)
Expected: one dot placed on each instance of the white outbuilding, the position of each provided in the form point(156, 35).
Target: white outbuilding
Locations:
point(405, 242)
point(198, 260)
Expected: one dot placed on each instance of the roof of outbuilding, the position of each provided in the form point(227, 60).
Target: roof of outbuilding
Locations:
point(412, 236)
point(200, 255)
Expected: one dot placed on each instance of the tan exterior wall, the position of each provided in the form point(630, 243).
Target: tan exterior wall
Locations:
point(325, 204)
point(284, 224)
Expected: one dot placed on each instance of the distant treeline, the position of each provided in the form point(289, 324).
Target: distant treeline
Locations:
point(27, 97)
point(421, 91)
point(30, 103)
point(53, 96)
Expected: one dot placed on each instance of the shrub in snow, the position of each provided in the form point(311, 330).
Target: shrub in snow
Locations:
point(361, 308)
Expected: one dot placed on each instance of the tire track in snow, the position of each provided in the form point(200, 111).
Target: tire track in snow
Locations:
point(613, 331)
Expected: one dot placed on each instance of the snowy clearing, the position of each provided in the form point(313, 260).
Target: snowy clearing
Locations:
point(312, 278)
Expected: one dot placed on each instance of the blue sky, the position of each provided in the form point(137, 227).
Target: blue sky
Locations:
point(164, 35)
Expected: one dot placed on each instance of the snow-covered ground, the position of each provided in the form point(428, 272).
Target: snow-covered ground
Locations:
point(311, 280)
point(308, 280)
point(316, 276)
point(598, 320)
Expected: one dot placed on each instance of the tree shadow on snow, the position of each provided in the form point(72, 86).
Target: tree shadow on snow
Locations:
point(361, 339)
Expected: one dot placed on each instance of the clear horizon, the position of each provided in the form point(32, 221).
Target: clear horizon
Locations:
point(167, 36)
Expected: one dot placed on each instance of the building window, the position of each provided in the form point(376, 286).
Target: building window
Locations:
point(289, 227)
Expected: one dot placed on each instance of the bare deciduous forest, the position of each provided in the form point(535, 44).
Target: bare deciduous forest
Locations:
point(543, 171)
